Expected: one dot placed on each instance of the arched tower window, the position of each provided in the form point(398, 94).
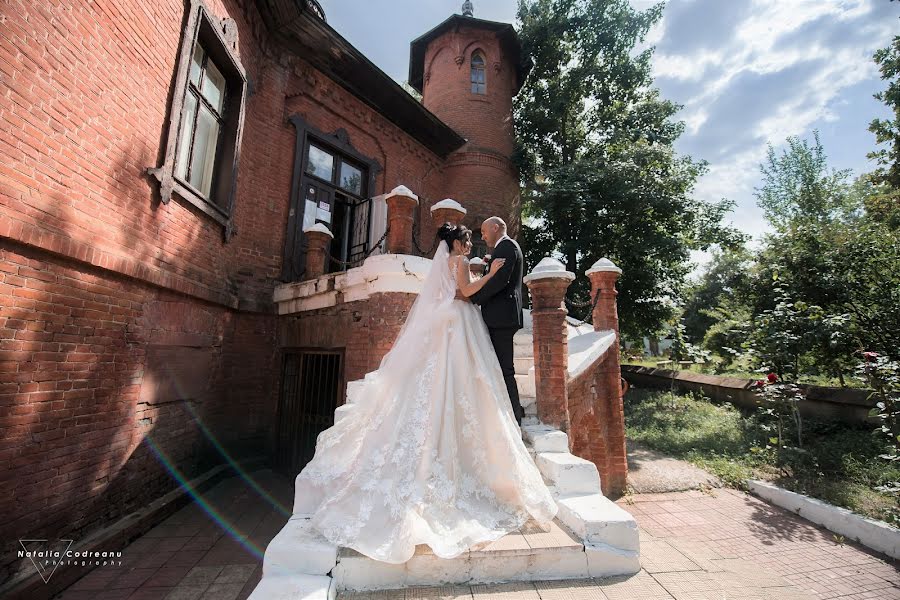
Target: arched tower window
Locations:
point(478, 85)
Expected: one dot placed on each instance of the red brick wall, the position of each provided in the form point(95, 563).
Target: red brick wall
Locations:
point(480, 175)
point(92, 368)
point(115, 308)
point(598, 422)
point(483, 119)
point(366, 329)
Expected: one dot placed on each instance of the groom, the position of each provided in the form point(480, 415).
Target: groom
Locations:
point(501, 302)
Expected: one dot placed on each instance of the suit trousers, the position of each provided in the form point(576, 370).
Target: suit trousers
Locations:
point(502, 340)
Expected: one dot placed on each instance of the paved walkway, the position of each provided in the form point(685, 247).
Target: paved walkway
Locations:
point(652, 472)
point(694, 545)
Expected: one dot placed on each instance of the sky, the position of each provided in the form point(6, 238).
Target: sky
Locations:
point(747, 73)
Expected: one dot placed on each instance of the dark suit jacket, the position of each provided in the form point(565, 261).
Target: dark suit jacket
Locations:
point(501, 296)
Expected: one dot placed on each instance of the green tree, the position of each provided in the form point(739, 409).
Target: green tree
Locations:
point(599, 175)
point(887, 131)
point(827, 282)
point(725, 278)
point(799, 188)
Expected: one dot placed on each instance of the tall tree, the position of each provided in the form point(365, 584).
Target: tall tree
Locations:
point(884, 200)
point(828, 279)
point(887, 131)
point(798, 186)
point(725, 278)
point(599, 174)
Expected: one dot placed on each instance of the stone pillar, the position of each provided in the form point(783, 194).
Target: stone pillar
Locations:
point(401, 204)
point(447, 211)
point(548, 283)
point(608, 379)
point(603, 275)
point(318, 237)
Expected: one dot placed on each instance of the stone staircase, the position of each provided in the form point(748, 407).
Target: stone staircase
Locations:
point(591, 536)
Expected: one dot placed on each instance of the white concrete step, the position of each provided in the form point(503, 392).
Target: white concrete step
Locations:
point(523, 364)
point(545, 439)
point(592, 537)
point(531, 557)
point(299, 550)
point(525, 384)
point(529, 403)
point(523, 339)
point(570, 474)
point(295, 587)
point(598, 520)
point(606, 561)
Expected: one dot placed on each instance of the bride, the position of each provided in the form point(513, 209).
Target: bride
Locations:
point(430, 453)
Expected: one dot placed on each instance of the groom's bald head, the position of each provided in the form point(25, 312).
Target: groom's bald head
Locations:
point(492, 229)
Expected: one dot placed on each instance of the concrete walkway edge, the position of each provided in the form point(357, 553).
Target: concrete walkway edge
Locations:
point(874, 534)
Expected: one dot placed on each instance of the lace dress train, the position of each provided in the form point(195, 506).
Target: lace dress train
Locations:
point(431, 452)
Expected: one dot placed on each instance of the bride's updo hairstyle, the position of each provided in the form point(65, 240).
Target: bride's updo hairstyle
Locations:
point(450, 233)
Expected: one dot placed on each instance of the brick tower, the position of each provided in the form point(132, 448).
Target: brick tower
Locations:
point(468, 71)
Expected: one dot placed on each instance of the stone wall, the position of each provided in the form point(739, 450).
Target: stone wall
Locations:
point(846, 404)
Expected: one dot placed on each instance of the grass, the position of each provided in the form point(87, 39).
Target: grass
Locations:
point(838, 463)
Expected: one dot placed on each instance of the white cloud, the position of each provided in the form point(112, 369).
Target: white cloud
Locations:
point(749, 73)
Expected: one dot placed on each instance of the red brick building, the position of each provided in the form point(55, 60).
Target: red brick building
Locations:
point(158, 165)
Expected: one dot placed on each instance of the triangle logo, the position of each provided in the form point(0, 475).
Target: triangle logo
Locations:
point(44, 555)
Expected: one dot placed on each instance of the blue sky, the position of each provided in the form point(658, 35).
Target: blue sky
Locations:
point(748, 72)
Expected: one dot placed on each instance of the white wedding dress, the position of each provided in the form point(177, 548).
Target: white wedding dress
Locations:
point(430, 453)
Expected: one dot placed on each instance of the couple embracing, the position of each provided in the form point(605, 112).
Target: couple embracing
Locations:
point(432, 453)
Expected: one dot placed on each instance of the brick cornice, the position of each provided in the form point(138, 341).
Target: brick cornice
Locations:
point(481, 158)
point(66, 246)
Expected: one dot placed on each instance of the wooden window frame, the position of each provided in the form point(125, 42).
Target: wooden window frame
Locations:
point(203, 27)
point(472, 71)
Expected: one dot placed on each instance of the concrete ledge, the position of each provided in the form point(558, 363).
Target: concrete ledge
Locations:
point(586, 349)
point(846, 404)
point(526, 384)
point(295, 587)
point(379, 273)
point(873, 534)
point(299, 550)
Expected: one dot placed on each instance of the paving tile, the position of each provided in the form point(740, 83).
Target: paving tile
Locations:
point(201, 576)
point(235, 574)
point(640, 586)
point(659, 556)
point(691, 585)
point(572, 589)
point(505, 591)
point(167, 576)
point(186, 592)
point(447, 592)
point(375, 595)
point(222, 591)
point(726, 545)
point(150, 593)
